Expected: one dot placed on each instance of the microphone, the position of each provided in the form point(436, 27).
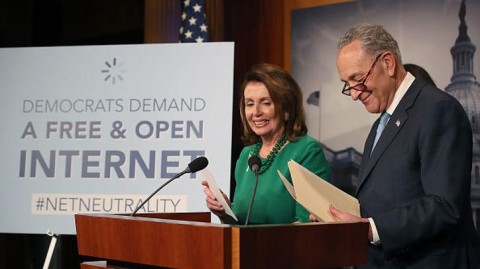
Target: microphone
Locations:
point(254, 163)
point(193, 167)
point(196, 165)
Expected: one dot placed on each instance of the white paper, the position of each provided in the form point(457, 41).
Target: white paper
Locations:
point(212, 184)
point(316, 194)
point(288, 185)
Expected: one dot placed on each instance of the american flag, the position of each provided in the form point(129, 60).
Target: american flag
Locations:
point(193, 27)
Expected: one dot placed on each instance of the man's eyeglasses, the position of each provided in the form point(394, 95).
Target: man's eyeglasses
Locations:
point(361, 87)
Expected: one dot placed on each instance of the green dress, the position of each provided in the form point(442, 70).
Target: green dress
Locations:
point(273, 204)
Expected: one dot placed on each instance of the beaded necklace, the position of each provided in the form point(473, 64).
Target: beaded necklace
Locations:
point(273, 153)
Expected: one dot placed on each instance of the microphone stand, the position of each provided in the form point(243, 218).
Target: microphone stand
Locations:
point(159, 188)
point(193, 167)
point(253, 198)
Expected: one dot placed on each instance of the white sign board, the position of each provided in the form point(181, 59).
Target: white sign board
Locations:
point(95, 129)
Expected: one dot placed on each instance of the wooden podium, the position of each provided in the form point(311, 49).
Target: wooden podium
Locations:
point(189, 240)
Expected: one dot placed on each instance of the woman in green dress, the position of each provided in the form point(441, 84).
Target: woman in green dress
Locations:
point(274, 129)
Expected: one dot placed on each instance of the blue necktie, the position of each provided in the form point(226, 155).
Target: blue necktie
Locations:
point(381, 125)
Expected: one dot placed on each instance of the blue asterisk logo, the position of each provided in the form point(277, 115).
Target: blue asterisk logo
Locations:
point(113, 71)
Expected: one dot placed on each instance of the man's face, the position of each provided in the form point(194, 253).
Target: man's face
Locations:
point(368, 76)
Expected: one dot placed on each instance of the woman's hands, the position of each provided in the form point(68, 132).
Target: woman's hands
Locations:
point(212, 203)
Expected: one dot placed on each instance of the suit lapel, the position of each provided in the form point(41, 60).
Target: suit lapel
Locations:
point(394, 125)
point(367, 149)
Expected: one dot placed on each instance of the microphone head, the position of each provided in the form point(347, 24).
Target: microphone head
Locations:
point(254, 163)
point(197, 165)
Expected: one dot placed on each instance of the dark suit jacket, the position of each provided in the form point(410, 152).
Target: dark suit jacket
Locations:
point(416, 184)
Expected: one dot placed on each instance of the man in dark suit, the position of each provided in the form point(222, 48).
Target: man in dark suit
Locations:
point(414, 181)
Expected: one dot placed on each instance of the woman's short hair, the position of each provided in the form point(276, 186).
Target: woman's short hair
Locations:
point(286, 96)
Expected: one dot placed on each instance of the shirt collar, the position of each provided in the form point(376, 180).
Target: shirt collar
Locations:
point(407, 81)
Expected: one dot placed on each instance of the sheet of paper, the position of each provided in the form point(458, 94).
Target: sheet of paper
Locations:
point(316, 194)
point(218, 194)
point(288, 185)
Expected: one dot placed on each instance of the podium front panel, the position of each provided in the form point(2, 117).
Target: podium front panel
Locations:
point(306, 245)
point(141, 241)
point(153, 242)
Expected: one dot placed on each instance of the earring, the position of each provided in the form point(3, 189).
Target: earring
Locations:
point(286, 117)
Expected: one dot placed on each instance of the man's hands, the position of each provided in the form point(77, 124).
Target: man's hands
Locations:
point(339, 215)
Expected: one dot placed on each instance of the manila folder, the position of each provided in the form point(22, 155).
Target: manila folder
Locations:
point(316, 194)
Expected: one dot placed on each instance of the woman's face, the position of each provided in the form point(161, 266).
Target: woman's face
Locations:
point(260, 112)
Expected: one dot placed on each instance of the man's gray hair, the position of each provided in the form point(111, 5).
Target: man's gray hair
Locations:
point(374, 39)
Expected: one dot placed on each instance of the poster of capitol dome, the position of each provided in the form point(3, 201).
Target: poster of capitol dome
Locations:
point(441, 36)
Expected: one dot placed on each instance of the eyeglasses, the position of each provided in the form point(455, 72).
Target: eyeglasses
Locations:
point(361, 87)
